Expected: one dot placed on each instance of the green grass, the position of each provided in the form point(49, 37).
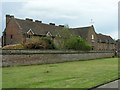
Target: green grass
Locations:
point(77, 74)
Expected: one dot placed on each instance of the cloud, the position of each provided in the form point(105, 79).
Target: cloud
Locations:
point(114, 34)
point(76, 13)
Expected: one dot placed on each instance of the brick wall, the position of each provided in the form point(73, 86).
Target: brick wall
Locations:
point(106, 46)
point(13, 33)
point(90, 40)
point(30, 57)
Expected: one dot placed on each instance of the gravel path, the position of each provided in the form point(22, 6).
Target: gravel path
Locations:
point(114, 84)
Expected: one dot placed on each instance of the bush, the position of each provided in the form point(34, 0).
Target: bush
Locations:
point(36, 45)
point(49, 42)
point(77, 43)
point(43, 43)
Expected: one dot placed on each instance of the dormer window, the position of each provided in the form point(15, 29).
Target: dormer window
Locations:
point(48, 34)
point(30, 32)
point(29, 36)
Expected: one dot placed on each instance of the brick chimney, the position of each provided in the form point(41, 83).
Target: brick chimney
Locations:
point(61, 25)
point(52, 24)
point(28, 19)
point(11, 16)
point(8, 17)
point(38, 21)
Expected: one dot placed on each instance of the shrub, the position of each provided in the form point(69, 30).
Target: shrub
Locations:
point(77, 43)
point(49, 42)
point(36, 45)
point(42, 43)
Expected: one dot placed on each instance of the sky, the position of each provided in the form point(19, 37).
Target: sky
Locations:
point(75, 13)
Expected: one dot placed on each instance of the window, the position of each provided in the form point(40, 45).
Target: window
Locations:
point(48, 34)
point(92, 43)
point(28, 36)
point(11, 36)
point(92, 36)
point(30, 32)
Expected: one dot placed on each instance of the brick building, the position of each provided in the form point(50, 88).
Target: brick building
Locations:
point(19, 31)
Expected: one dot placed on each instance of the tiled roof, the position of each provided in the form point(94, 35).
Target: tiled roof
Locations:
point(42, 29)
point(83, 31)
point(105, 38)
point(36, 27)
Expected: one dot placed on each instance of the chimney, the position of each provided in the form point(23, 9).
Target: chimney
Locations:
point(38, 21)
point(52, 24)
point(7, 19)
point(11, 16)
point(61, 25)
point(29, 19)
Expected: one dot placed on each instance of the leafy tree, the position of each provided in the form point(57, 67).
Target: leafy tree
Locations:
point(76, 43)
point(66, 39)
point(62, 36)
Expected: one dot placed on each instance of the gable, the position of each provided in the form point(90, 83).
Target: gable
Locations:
point(12, 27)
point(30, 32)
point(82, 32)
point(13, 33)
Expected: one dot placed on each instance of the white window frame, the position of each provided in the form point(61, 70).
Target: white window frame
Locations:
point(30, 30)
point(48, 34)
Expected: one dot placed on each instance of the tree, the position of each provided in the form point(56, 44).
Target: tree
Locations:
point(77, 43)
point(62, 36)
point(66, 39)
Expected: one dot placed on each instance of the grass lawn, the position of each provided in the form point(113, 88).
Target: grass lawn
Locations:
point(77, 74)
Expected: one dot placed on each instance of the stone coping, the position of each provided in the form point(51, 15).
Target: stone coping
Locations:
point(38, 51)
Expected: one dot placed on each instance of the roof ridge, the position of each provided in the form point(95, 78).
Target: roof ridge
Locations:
point(38, 23)
point(104, 35)
point(82, 27)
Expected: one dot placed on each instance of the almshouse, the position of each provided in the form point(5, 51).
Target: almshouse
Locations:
point(19, 31)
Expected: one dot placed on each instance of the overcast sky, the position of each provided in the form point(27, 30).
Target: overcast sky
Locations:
point(75, 13)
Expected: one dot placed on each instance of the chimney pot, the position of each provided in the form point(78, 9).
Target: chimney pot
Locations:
point(52, 24)
point(7, 15)
point(11, 16)
point(7, 19)
point(61, 25)
point(38, 21)
point(29, 19)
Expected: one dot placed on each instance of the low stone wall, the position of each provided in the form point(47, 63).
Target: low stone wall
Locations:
point(30, 57)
